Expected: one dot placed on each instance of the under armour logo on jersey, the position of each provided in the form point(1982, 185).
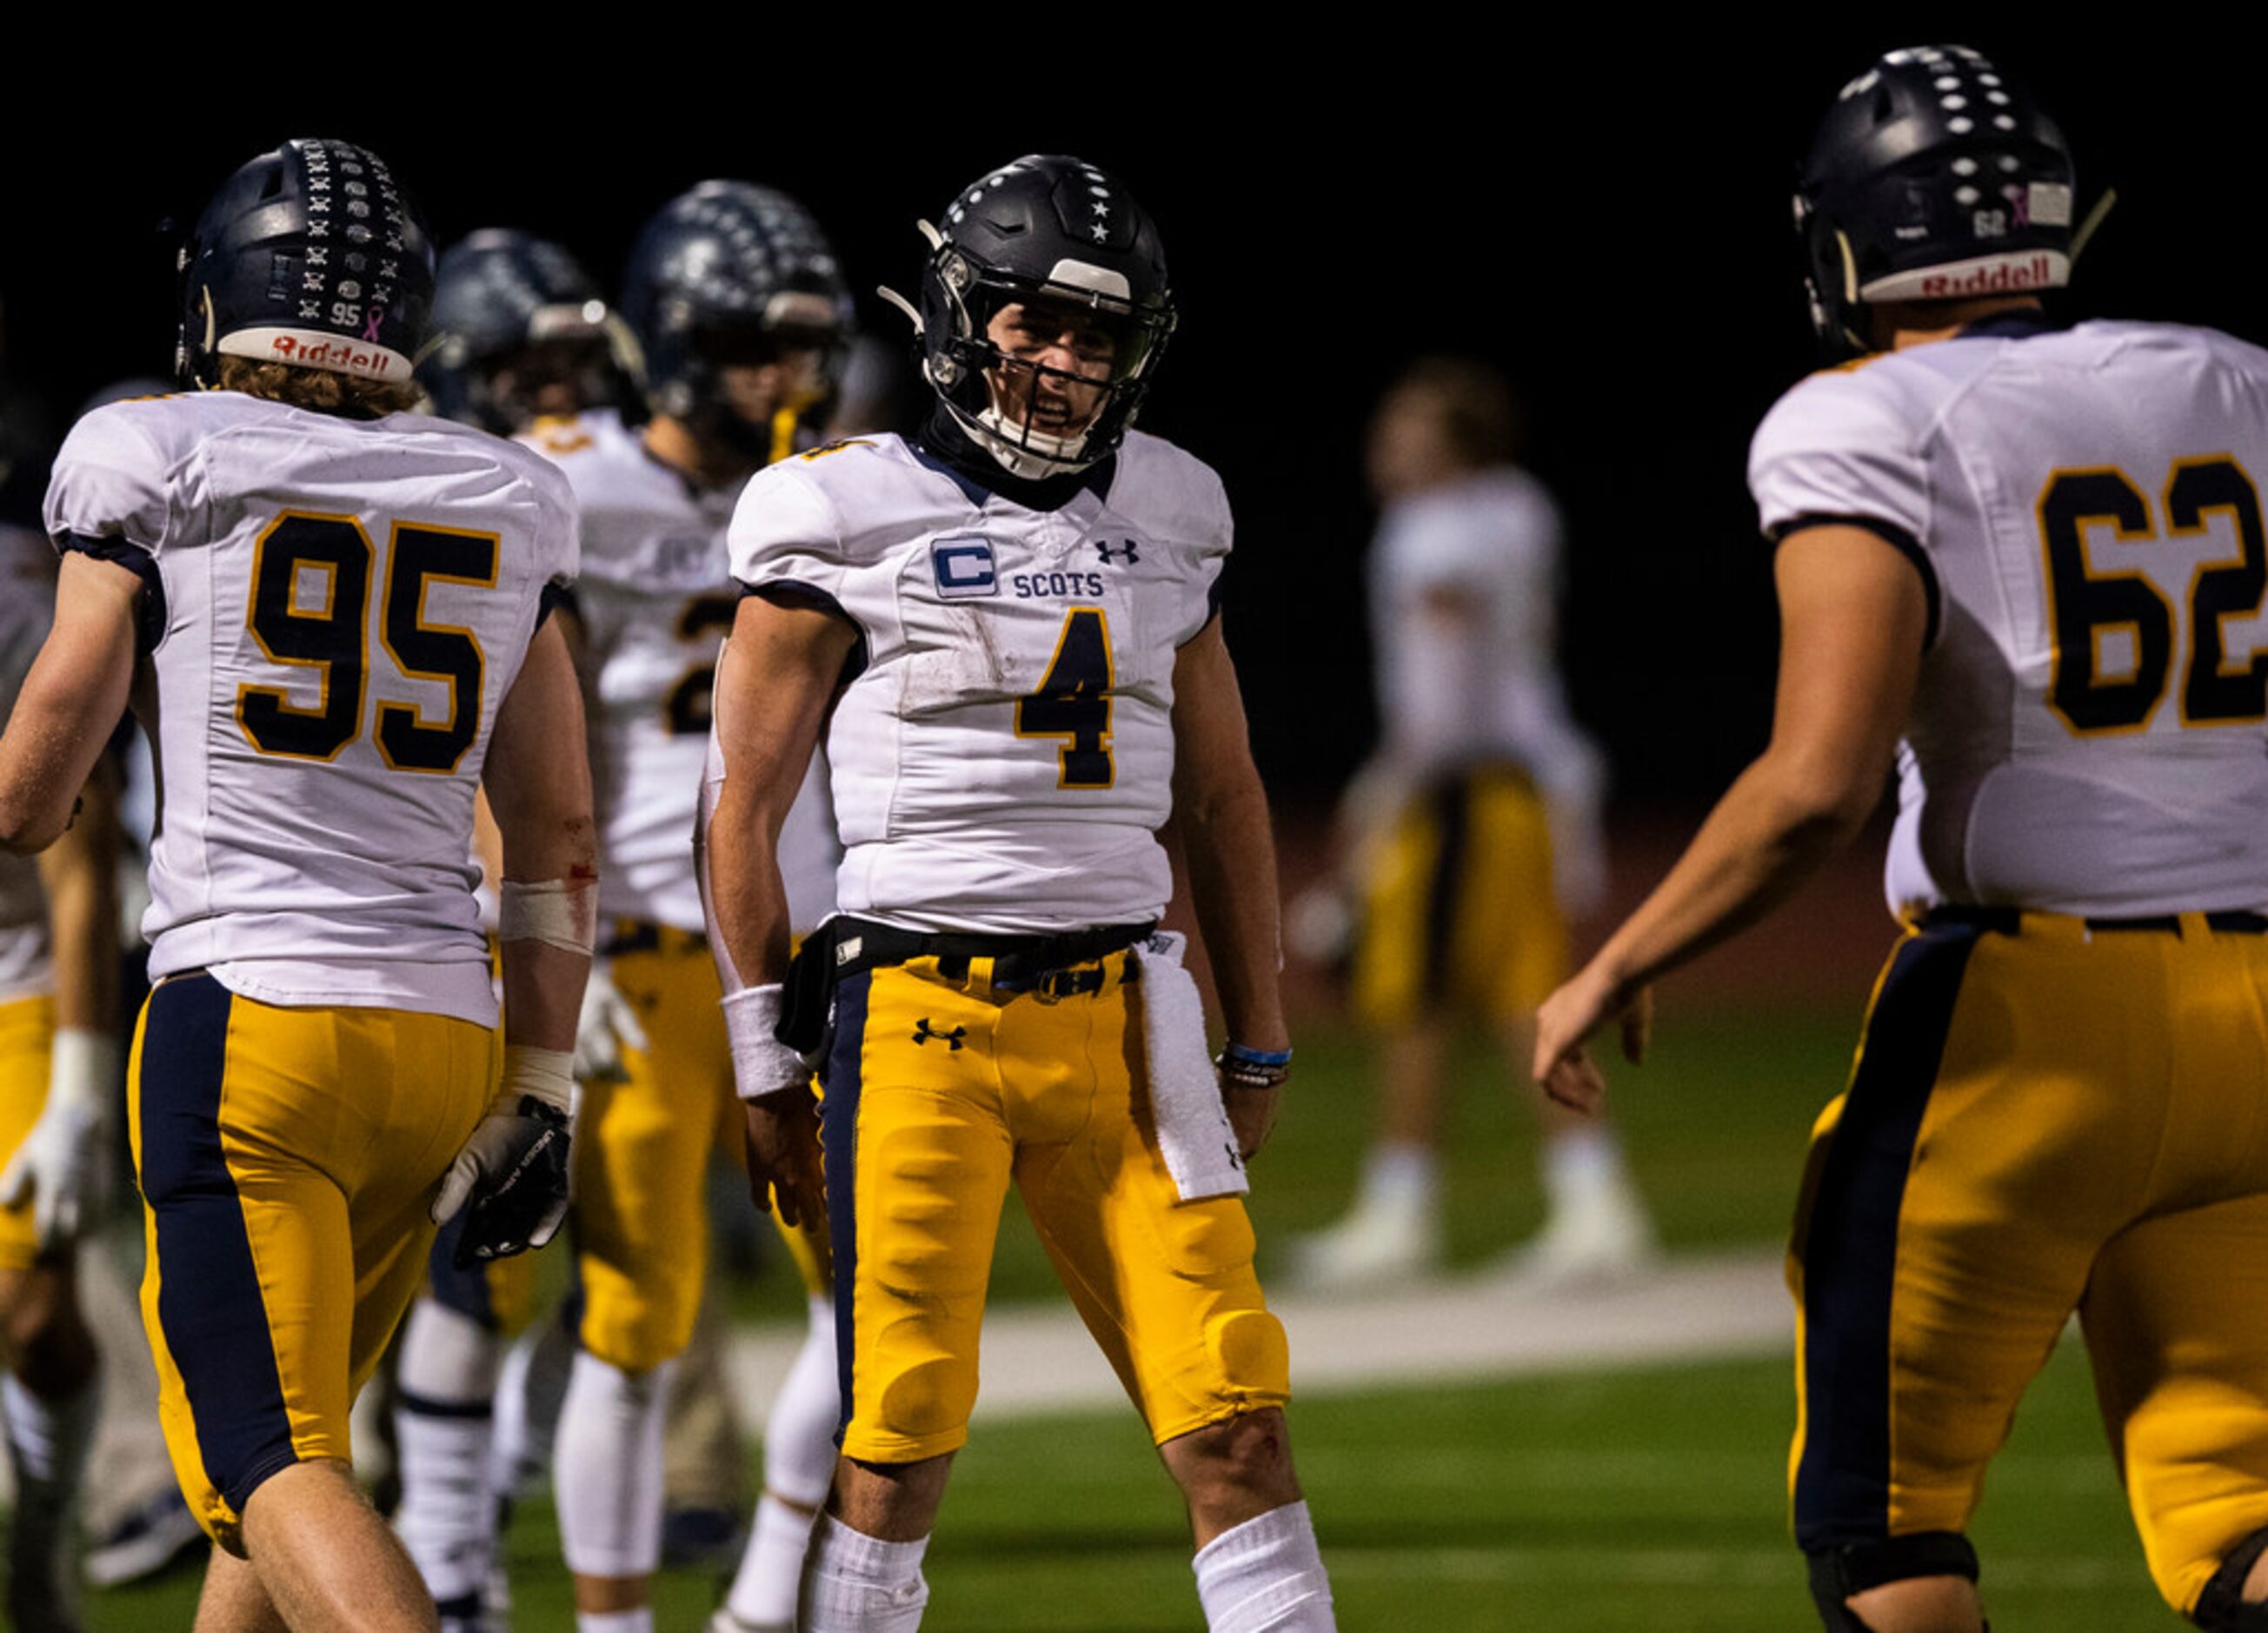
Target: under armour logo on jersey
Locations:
point(1130, 550)
point(952, 1040)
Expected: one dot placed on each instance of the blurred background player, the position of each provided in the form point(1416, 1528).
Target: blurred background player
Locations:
point(60, 1089)
point(521, 331)
point(738, 307)
point(314, 1084)
point(1470, 840)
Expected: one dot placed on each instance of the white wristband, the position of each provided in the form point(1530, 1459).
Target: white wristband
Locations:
point(547, 1074)
point(82, 1067)
point(762, 1064)
point(551, 911)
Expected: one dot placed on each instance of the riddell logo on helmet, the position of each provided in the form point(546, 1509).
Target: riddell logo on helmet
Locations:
point(2036, 273)
point(332, 354)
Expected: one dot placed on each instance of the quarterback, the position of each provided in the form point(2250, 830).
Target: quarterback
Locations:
point(331, 617)
point(735, 299)
point(1004, 631)
point(2026, 564)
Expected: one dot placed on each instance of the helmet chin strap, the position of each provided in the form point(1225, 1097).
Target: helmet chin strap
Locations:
point(1027, 452)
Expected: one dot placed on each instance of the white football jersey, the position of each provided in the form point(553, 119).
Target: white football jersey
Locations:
point(27, 606)
point(657, 599)
point(2090, 735)
point(344, 604)
point(1005, 755)
point(1486, 687)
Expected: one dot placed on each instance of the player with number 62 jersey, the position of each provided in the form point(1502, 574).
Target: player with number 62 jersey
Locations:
point(1003, 756)
point(2095, 579)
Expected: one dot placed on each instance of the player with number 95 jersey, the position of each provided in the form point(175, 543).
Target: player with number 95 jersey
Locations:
point(331, 616)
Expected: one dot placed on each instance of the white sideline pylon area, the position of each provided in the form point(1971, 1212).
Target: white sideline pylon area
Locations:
point(1711, 1306)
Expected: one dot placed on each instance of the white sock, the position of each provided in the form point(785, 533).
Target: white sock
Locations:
point(860, 1584)
point(1581, 1164)
point(47, 1443)
point(1265, 1575)
point(638, 1621)
point(1401, 1177)
point(606, 1475)
point(442, 1427)
point(529, 1392)
point(799, 1466)
point(799, 1454)
point(765, 1588)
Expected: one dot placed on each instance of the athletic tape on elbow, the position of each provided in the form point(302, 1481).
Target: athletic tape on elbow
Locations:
point(552, 910)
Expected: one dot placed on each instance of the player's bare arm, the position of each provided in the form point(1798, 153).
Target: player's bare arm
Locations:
point(775, 683)
point(513, 1171)
point(1220, 811)
point(1853, 613)
point(71, 701)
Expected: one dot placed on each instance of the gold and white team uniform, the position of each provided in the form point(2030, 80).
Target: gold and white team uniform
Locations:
point(27, 605)
point(1001, 762)
point(2061, 1100)
point(1494, 838)
point(333, 611)
point(655, 600)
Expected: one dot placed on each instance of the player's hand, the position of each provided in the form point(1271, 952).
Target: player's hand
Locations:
point(784, 1169)
point(513, 1174)
point(1563, 1069)
point(63, 1164)
point(607, 1026)
point(1251, 1115)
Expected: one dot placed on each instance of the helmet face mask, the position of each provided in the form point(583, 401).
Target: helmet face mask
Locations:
point(309, 255)
point(1044, 313)
point(1933, 178)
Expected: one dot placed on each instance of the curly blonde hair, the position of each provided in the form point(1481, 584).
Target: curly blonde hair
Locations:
point(324, 390)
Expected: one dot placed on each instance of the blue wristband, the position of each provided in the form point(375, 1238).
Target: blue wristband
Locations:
point(1237, 1054)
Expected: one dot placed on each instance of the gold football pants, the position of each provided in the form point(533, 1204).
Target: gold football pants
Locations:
point(641, 1149)
point(2044, 1117)
point(938, 1092)
point(289, 1159)
point(1459, 911)
point(28, 1030)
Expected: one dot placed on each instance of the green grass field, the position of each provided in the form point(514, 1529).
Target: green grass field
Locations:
point(1565, 1503)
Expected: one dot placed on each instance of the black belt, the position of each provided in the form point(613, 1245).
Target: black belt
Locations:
point(842, 948)
point(2010, 920)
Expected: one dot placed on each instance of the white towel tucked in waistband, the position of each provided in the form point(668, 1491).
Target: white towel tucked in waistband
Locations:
point(1194, 1135)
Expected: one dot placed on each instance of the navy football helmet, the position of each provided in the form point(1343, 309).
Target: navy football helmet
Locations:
point(1059, 240)
point(1933, 177)
point(733, 274)
point(518, 330)
point(310, 255)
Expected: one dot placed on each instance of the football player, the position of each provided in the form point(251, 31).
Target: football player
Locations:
point(332, 614)
point(738, 306)
point(520, 332)
point(1006, 633)
point(2025, 563)
point(59, 1086)
point(1471, 836)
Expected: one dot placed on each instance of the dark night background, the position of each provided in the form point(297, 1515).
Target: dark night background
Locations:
point(1607, 218)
